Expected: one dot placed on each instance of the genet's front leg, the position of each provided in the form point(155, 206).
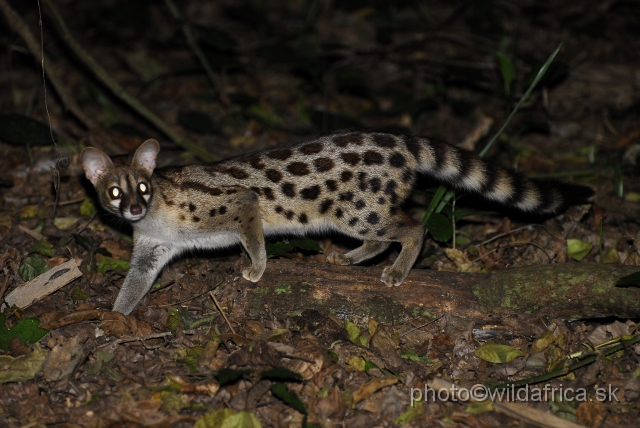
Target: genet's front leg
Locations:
point(148, 258)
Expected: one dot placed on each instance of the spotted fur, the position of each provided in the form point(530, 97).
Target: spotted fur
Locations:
point(351, 182)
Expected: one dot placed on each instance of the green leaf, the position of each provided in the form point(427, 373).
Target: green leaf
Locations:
point(412, 412)
point(352, 330)
point(87, 209)
point(213, 420)
point(26, 330)
point(496, 353)
point(306, 244)
point(190, 362)
point(31, 267)
point(265, 116)
point(281, 374)
point(43, 247)
point(413, 356)
point(24, 367)
point(173, 320)
point(103, 251)
point(78, 294)
point(83, 241)
point(578, 249)
point(281, 248)
point(480, 407)
point(290, 398)
point(229, 376)
point(632, 280)
point(440, 227)
point(535, 81)
point(117, 265)
point(368, 365)
point(508, 71)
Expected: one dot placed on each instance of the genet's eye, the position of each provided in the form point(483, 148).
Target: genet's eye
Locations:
point(115, 192)
point(143, 188)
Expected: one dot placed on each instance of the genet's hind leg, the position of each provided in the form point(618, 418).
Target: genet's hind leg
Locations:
point(410, 234)
point(364, 252)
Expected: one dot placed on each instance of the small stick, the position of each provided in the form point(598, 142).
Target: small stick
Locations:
point(420, 326)
point(221, 311)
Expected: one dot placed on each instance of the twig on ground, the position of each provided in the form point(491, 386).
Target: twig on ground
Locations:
point(221, 311)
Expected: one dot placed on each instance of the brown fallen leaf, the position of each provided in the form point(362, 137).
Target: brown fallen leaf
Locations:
point(66, 353)
point(369, 388)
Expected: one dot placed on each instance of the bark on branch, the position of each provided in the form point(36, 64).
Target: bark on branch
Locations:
point(511, 296)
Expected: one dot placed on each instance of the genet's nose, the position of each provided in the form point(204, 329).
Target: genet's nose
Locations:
point(135, 209)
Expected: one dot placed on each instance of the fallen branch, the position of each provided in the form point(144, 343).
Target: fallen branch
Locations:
point(510, 296)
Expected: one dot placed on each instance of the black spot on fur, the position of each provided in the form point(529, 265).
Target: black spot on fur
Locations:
point(362, 178)
point(372, 158)
point(255, 162)
point(351, 158)
point(268, 193)
point(256, 190)
point(222, 210)
point(353, 221)
point(310, 193)
point(345, 140)
point(346, 176)
point(231, 191)
point(212, 212)
point(273, 175)
point(363, 231)
point(440, 152)
point(279, 209)
point(323, 164)
point(325, 205)
point(236, 218)
point(288, 189)
point(332, 185)
point(195, 219)
point(407, 176)
point(213, 191)
point(375, 184)
point(302, 218)
point(381, 200)
point(192, 207)
point(339, 213)
point(396, 160)
point(289, 215)
point(384, 140)
point(360, 204)
point(346, 196)
point(391, 187)
point(298, 168)
point(373, 218)
point(311, 149)
point(414, 146)
point(238, 173)
point(381, 232)
point(280, 154)
point(393, 210)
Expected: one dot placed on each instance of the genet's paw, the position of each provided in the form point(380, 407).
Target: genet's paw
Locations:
point(391, 276)
point(338, 259)
point(252, 274)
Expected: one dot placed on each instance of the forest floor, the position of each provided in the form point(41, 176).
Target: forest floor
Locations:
point(283, 70)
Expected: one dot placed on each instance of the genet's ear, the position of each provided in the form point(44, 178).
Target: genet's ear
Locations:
point(145, 156)
point(95, 163)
